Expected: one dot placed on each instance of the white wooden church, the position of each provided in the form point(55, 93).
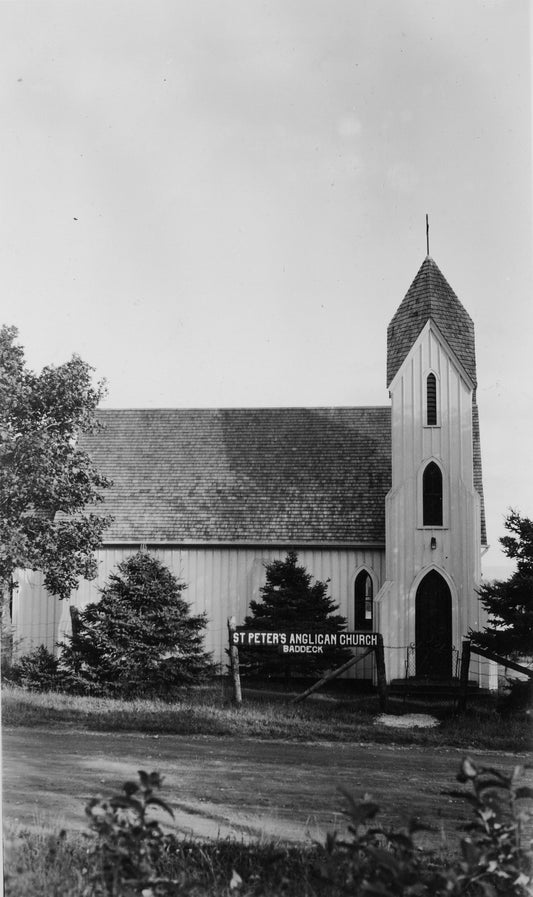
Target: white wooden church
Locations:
point(385, 502)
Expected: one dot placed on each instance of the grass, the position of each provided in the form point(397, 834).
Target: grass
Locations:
point(39, 865)
point(209, 712)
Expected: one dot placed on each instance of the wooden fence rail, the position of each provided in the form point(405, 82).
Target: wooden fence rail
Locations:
point(330, 676)
point(380, 671)
point(467, 650)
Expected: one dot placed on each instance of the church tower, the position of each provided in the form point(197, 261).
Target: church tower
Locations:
point(435, 523)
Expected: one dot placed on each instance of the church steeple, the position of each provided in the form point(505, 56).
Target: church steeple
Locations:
point(430, 297)
point(434, 511)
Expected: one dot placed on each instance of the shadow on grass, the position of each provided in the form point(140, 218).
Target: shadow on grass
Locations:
point(340, 717)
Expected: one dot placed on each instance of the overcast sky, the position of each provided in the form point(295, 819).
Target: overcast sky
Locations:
point(222, 202)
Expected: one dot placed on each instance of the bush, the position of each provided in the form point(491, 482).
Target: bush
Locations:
point(129, 847)
point(493, 858)
point(38, 671)
point(493, 861)
point(139, 639)
point(518, 697)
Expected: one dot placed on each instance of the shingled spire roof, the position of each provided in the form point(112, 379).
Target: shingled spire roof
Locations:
point(430, 297)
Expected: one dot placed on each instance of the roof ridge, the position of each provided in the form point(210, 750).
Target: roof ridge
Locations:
point(247, 408)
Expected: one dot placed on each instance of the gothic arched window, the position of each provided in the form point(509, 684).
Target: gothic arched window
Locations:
point(432, 495)
point(431, 400)
point(364, 600)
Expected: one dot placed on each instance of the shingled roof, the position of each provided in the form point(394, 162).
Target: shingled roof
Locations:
point(284, 475)
point(430, 297)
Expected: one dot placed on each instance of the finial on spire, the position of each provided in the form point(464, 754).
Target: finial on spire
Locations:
point(427, 233)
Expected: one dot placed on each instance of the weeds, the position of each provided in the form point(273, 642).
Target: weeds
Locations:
point(126, 855)
point(494, 860)
point(493, 863)
point(42, 865)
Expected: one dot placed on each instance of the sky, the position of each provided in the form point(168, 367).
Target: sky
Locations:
point(222, 203)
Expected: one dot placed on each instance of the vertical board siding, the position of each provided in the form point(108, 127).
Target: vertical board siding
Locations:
point(221, 582)
point(36, 614)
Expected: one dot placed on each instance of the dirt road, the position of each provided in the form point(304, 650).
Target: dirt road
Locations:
point(231, 787)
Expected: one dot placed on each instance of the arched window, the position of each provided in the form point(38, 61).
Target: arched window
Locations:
point(432, 495)
point(431, 400)
point(364, 603)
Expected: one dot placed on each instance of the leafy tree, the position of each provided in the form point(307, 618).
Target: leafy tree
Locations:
point(291, 602)
point(510, 602)
point(139, 639)
point(46, 481)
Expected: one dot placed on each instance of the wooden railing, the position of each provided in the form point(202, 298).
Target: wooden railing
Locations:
point(467, 651)
point(380, 671)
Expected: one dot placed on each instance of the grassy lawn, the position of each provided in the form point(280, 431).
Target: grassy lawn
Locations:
point(209, 712)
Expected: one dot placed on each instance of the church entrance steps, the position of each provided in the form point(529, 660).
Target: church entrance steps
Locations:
point(432, 688)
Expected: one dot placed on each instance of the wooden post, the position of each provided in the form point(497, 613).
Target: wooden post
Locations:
point(381, 674)
point(333, 675)
point(234, 662)
point(463, 682)
point(6, 622)
point(74, 620)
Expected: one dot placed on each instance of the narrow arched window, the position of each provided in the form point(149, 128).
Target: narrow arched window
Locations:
point(364, 601)
point(431, 400)
point(432, 495)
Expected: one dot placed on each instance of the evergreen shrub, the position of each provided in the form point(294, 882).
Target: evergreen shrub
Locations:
point(38, 671)
point(292, 602)
point(140, 639)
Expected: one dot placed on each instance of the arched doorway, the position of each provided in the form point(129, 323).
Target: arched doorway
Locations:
point(433, 628)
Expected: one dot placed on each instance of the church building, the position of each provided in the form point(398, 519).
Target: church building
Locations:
point(384, 502)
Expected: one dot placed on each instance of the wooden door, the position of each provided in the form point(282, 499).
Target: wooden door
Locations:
point(433, 628)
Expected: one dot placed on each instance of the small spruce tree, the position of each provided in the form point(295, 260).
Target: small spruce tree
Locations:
point(509, 602)
point(291, 602)
point(139, 639)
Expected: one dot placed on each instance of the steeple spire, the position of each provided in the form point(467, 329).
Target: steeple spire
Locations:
point(430, 297)
point(427, 234)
